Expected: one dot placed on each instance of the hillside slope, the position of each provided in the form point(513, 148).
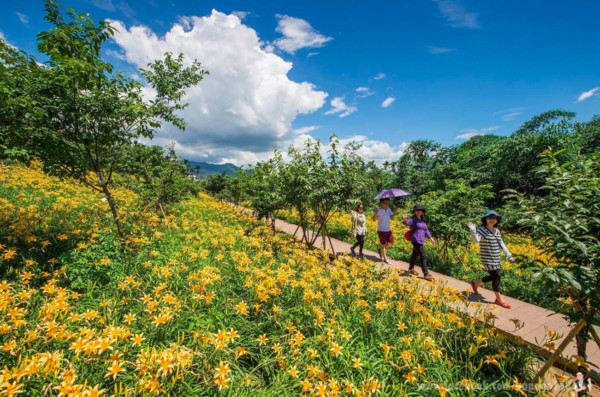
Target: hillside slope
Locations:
point(212, 304)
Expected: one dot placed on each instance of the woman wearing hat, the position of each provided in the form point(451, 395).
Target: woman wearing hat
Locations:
point(490, 243)
point(418, 233)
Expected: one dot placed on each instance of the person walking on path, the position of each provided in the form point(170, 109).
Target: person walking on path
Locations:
point(383, 215)
point(418, 233)
point(490, 243)
point(359, 229)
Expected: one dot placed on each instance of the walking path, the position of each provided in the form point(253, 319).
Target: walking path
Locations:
point(533, 320)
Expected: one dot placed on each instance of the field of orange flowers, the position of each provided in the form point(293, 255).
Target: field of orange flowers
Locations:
point(463, 263)
point(212, 303)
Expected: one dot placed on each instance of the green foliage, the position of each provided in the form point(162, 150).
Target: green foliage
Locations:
point(413, 170)
point(502, 162)
point(18, 100)
point(264, 188)
point(567, 219)
point(157, 175)
point(318, 187)
point(448, 211)
point(588, 135)
point(85, 113)
point(216, 184)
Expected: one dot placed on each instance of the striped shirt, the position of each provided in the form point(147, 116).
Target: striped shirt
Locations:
point(490, 244)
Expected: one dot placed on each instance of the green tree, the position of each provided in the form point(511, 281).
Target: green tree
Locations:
point(160, 176)
point(318, 187)
point(587, 135)
point(85, 112)
point(263, 188)
point(216, 184)
point(18, 101)
point(566, 219)
point(413, 170)
point(449, 209)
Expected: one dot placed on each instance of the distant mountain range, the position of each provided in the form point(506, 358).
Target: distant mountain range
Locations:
point(208, 168)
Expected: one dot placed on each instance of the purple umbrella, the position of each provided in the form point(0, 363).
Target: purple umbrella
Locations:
point(391, 193)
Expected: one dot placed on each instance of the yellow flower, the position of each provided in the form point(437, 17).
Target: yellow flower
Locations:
point(293, 372)
point(242, 308)
point(129, 318)
point(137, 339)
point(114, 369)
point(442, 390)
point(335, 349)
point(222, 370)
point(518, 387)
point(356, 363)
point(305, 386)
point(410, 378)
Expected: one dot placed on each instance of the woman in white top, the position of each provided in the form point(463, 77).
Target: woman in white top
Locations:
point(359, 229)
point(383, 215)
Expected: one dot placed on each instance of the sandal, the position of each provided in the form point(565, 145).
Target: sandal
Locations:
point(505, 305)
point(474, 286)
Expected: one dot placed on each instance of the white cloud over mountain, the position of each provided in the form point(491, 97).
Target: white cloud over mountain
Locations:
point(245, 106)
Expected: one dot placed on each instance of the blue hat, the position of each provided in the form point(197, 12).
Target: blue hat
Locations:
point(491, 212)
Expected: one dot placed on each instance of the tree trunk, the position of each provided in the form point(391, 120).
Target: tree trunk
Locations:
point(330, 243)
point(113, 210)
point(164, 214)
point(583, 337)
point(111, 204)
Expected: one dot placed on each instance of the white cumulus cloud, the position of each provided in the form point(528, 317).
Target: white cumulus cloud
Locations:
point(379, 76)
point(377, 151)
point(338, 106)
point(244, 107)
point(587, 94)
point(471, 132)
point(388, 102)
point(297, 33)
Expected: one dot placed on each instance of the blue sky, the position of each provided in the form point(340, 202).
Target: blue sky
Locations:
point(282, 72)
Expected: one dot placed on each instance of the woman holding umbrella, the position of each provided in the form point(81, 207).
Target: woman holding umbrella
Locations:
point(490, 243)
point(383, 215)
